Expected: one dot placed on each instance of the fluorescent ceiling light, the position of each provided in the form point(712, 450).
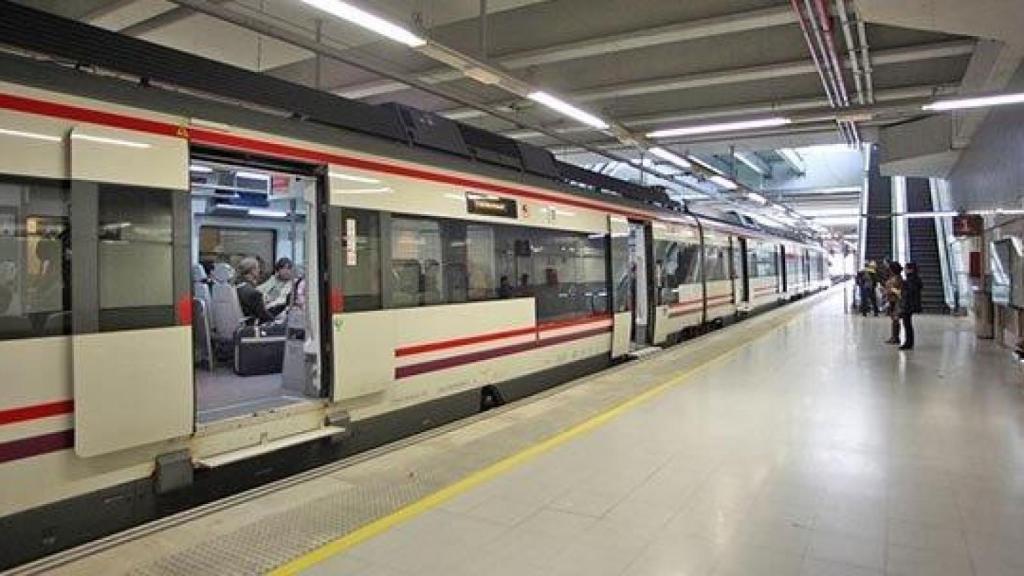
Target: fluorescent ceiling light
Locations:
point(980, 102)
point(749, 162)
point(364, 19)
point(251, 175)
point(353, 178)
point(720, 127)
point(705, 165)
point(267, 213)
point(791, 155)
point(200, 169)
point(670, 157)
point(755, 197)
point(114, 141)
point(724, 182)
point(568, 109)
point(31, 135)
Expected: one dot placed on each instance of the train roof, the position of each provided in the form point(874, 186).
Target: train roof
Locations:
point(159, 74)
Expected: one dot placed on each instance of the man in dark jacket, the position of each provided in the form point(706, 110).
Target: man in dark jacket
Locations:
point(250, 298)
point(910, 304)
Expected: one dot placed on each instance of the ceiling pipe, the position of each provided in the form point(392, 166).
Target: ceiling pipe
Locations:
point(851, 50)
point(865, 59)
point(814, 53)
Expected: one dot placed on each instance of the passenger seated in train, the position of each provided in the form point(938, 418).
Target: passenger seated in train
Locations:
point(277, 290)
point(249, 296)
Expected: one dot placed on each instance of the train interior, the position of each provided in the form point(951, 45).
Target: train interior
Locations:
point(254, 314)
point(639, 266)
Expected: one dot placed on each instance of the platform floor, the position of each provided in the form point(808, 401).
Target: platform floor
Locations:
point(812, 448)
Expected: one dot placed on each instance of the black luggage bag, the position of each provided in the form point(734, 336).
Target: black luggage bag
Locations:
point(259, 349)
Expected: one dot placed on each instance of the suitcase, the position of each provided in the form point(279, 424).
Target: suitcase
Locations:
point(259, 350)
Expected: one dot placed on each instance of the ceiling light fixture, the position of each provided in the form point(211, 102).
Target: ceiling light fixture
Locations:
point(669, 156)
point(979, 102)
point(720, 127)
point(705, 165)
point(200, 169)
point(364, 19)
point(569, 110)
point(749, 162)
point(755, 197)
point(251, 175)
point(724, 182)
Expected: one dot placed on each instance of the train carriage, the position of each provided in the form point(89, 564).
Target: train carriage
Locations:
point(431, 287)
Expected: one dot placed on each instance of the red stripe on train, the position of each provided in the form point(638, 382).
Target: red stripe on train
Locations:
point(472, 357)
point(35, 412)
point(36, 445)
point(464, 341)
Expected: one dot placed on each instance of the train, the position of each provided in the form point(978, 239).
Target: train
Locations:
point(424, 287)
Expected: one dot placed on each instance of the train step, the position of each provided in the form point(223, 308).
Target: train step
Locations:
point(641, 353)
point(225, 458)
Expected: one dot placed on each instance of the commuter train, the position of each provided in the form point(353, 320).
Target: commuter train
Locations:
point(425, 287)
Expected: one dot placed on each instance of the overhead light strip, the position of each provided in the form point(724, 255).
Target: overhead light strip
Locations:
point(979, 102)
point(371, 22)
point(724, 182)
point(669, 156)
point(567, 109)
point(720, 127)
point(749, 163)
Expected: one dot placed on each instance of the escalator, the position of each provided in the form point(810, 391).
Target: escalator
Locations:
point(924, 246)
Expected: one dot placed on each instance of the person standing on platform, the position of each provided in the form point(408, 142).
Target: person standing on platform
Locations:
point(867, 282)
point(910, 304)
point(893, 288)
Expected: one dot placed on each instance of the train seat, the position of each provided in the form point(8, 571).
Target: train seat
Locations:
point(201, 285)
point(225, 307)
point(201, 332)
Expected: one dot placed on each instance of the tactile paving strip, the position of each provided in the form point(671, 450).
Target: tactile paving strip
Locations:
point(371, 490)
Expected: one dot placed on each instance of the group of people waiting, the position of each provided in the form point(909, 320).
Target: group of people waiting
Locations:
point(901, 295)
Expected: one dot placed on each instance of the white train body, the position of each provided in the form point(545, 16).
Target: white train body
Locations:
point(90, 410)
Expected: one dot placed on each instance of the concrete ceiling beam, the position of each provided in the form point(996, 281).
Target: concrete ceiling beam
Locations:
point(750, 74)
point(598, 46)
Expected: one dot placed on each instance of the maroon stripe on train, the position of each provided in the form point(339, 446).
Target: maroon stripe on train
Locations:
point(453, 361)
point(36, 445)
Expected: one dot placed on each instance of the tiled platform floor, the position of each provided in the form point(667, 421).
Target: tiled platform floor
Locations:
point(817, 450)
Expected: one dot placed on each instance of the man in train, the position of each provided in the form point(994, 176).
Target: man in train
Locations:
point(278, 288)
point(249, 296)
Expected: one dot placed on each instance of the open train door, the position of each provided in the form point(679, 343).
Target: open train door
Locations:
point(131, 300)
point(621, 285)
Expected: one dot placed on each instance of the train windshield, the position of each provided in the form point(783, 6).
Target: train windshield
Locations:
point(254, 313)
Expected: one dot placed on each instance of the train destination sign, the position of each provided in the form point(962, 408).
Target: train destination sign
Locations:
point(491, 206)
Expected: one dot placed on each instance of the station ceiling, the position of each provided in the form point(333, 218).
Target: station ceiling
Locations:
point(641, 65)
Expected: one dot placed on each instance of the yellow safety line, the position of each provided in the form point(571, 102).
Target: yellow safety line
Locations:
point(477, 478)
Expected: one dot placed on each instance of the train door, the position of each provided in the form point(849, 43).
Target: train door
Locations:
point(129, 315)
point(621, 285)
point(783, 269)
point(742, 269)
point(641, 273)
point(256, 285)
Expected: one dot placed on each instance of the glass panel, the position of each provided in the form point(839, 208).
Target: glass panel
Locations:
point(716, 263)
point(35, 271)
point(622, 283)
point(416, 261)
point(231, 245)
point(480, 258)
point(135, 258)
point(361, 265)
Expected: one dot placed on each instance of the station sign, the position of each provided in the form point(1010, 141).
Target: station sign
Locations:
point(487, 205)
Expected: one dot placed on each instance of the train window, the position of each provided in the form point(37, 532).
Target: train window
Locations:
point(34, 258)
point(416, 261)
point(360, 272)
point(443, 261)
point(232, 243)
point(135, 258)
point(716, 263)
